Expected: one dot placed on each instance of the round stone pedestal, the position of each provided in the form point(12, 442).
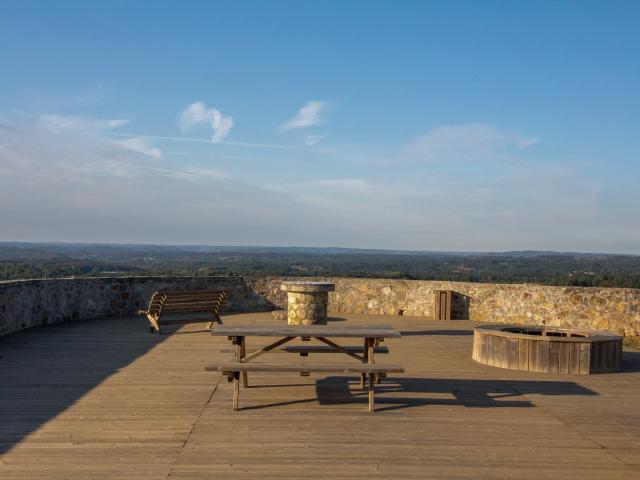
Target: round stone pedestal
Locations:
point(307, 302)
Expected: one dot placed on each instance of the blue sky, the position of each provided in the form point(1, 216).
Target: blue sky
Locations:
point(476, 126)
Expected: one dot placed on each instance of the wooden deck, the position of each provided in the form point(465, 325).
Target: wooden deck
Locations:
point(104, 399)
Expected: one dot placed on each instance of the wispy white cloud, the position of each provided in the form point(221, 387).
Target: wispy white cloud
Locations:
point(59, 123)
point(311, 140)
point(201, 140)
point(309, 115)
point(468, 141)
point(198, 113)
point(191, 173)
point(84, 125)
point(140, 145)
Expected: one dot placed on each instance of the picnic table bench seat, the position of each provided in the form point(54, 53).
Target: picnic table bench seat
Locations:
point(234, 369)
point(195, 301)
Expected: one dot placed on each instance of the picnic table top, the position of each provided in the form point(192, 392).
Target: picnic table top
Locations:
point(362, 331)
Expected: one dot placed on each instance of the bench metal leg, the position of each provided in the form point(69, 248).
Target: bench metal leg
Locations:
point(372, 382)
point(216, 319)
point(236, 389)
point(155, 326)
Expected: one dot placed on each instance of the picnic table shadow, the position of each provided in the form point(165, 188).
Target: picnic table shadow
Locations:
point(408, 392)
point(399, 393)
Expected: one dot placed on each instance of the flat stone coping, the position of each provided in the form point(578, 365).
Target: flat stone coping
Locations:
point(307, 287)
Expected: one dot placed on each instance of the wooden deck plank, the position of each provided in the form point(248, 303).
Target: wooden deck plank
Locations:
point(103, 399)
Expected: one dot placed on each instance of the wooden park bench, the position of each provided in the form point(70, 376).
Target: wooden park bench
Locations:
point(233, 370)
point(184, 303)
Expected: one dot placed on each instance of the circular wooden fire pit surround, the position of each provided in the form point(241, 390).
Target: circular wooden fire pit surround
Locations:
point(547, 349)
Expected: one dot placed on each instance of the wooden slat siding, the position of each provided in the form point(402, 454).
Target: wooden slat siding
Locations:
point(313, 368)
point(492, 351)
point(612, 353)
point(484, 345)
point(544, 356)
point(307, 330)
point(618, 356)
point(539, 348)
point(612, 356)
point(574, 358)
point(593, 358)
point(504, 352)
point(513, 353)
point(483, 348)
point(601, 360)
point(612, 362)
point(585, 358)
point(488, 354)
point(564, 357)
point(475, 353)
point(554, 357)
point(495, 352)
point(523, 354)
point(533, 356)
point(547, 353)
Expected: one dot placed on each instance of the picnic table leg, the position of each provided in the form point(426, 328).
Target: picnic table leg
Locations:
point(243, 353)
point(236, 389)
point(363, 376)
point(370, 354)
point(240, 354)
point(372, 382)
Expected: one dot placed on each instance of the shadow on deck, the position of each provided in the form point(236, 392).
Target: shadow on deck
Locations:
point(398, 393)
point(46, 370)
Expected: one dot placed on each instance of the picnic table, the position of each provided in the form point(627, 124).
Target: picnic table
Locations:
point(371, 336)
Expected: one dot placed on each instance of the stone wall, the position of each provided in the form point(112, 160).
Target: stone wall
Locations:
point(31, 303)
point(613, 309)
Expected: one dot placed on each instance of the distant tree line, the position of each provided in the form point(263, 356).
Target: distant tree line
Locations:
point(553, 269)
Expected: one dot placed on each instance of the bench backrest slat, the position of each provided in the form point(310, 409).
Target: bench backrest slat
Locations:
point(187, 302)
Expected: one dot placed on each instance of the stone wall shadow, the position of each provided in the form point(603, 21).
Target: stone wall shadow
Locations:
point(248, 297)
point(45, 370)
point(400, 393)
